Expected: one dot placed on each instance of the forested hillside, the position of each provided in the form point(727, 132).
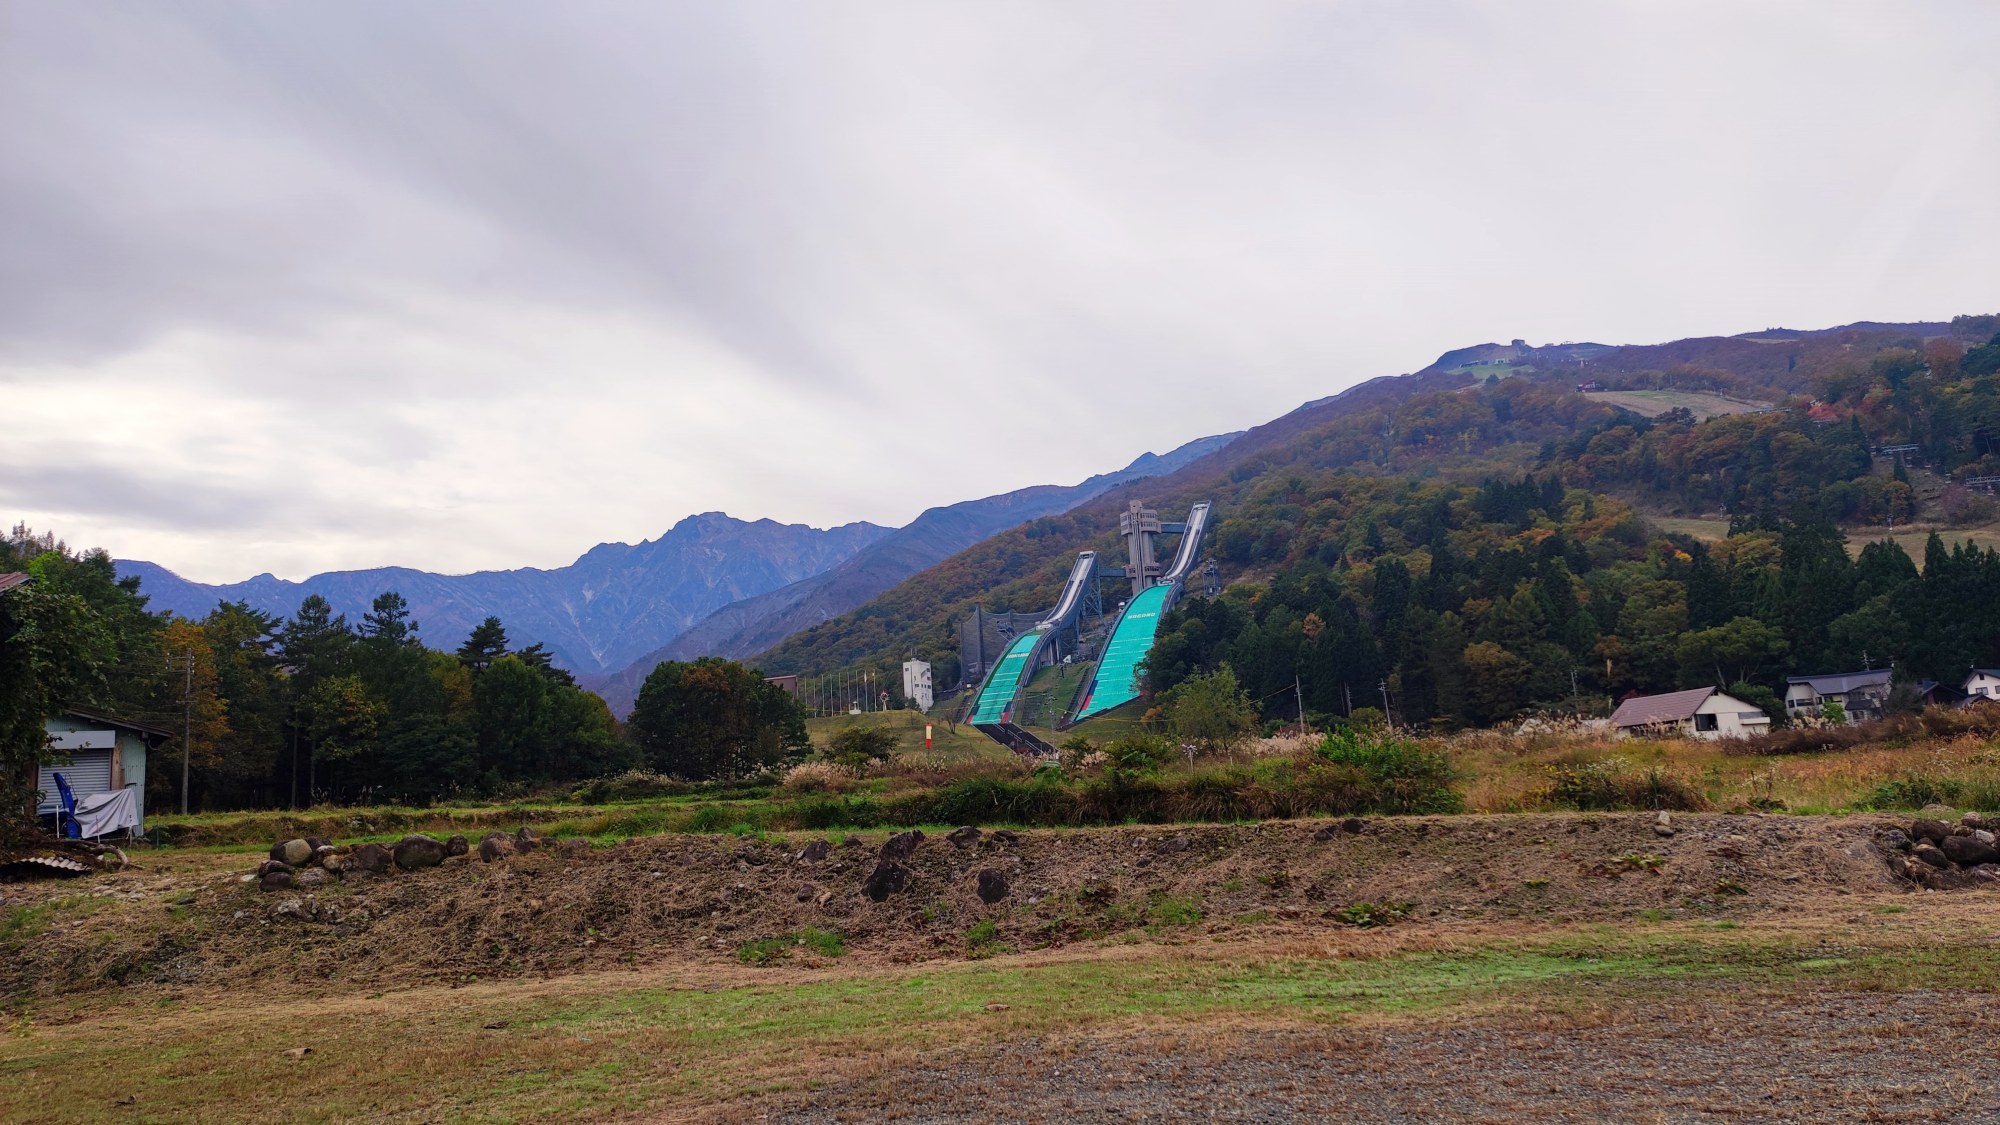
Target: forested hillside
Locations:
point(1300, 498)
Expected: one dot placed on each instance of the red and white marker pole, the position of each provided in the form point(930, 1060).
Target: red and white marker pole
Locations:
point(927, 736)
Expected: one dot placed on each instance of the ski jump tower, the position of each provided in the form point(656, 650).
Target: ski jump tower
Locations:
point(1138, 524)
point(1115, 679)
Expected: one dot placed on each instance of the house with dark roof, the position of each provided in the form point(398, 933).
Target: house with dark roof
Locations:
point(1704, 713)
point(1863, 695)
point(1981, 684)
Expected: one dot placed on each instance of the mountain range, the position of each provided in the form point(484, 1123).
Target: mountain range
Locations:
point(712, 584)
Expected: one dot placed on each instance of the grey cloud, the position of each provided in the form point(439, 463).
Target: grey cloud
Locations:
point(927, 217)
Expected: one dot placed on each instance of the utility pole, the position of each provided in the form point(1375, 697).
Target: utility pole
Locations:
point(1301, 697)
point(1388, 716)
point(187, 730)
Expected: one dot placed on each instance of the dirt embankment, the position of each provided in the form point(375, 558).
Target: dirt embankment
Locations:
point(701, 898)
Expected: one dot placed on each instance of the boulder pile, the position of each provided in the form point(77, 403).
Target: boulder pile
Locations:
point(1943, 856)
point(310, 862)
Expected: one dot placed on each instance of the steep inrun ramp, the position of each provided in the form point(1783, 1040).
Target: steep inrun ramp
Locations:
point(1116, 680)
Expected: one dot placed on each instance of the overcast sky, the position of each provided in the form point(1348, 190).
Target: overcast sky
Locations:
point(296, 287)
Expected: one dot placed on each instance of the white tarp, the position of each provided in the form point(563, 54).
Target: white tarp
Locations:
point(101, 814)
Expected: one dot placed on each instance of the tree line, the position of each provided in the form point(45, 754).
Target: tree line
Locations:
point(282, 712)
point(1470, 606)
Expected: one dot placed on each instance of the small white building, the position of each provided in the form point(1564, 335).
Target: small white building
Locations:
point(1705, 713)
point(98, 756)
point(917, 684)
point(1982, 683)
point(1861, 694)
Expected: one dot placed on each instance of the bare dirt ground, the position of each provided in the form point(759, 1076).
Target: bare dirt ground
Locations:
point(188, 920)
point(1561, 967)
point(1701, 1056)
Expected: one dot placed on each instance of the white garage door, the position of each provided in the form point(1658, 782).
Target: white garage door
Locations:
point(88, 771)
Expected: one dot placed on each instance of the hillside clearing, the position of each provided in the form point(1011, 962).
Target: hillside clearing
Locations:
point(1910, 539)
point(1702, 404)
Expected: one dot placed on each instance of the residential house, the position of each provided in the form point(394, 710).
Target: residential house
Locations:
point(1861, 694)
point(1981, 685)
point(98, 755)
point(1704, 713)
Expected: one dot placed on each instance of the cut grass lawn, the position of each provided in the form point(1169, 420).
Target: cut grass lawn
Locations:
point(617, 1044)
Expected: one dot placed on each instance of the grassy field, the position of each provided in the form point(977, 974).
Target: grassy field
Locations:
point(1911, 540)
point(678, 1041)
point(1701, 404)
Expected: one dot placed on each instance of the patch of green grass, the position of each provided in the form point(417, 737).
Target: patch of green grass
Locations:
point(1166, 910)
point(765, 951)
point(23, 923)
point(982, 939)
point(1372, 914)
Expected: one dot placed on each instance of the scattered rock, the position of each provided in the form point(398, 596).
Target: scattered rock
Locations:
point(294, 852)
point(851, 842)
point(807, 892)
point(370, 859)
point(270, 865)
point(311, 879)
point(1969, 852)
point(292, 909)
point(961, 837)
point(901, 846)
point(1004, 836)
point(526, 839)
point(752, 855)
point(318, 842)
point(1951, 880)
point(494, 846)
point(296, 1052)
point(275, 881)
point(1933, 830)
point(326, 852)
point(992, 886)
point(1895, 840)
point(1928, 853)
point(887, 879)
point(331, 862)
point(455, 846)
point(1973, 820)
point(1172, 844)
point(575, 848)
point(1663, 824)
point(997, 1007)
point(1353, 825)
point(413, 852)
point(1327, 833)
point(814, 852)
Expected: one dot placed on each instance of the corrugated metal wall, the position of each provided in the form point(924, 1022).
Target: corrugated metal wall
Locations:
point(88, 771)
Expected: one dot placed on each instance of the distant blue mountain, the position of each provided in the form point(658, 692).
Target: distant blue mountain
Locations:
point(620, 605)
point(617, 601)
point(751, 626)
